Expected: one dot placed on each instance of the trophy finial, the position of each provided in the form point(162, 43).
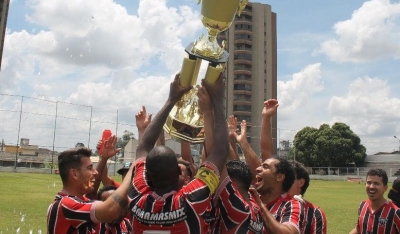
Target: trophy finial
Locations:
point(242, 5)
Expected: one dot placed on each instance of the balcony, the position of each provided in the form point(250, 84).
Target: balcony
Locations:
point(243, 41)
point(241, 102)
point(239, 113)
point(245, 72)
point(243, 21)
point(243, 51)
point(243, 77)
point(242, 61)
point(247, 12)
point(241, 91)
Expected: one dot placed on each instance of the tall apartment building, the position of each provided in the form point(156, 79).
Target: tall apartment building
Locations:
point(4, 4)
point(252, 68)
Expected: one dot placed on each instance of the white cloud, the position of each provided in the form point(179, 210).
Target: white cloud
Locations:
point(94, 54)
point(369, 109)
point(372, 33)
point(294, 94)
point(97, 33)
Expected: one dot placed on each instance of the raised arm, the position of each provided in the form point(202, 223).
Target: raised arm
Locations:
point(116, 206)
point(186, 153)
point(250, 156)
point(109, 151)
point(142, 121)
point(206, 108)
point(154, 129)
point(105, 178)
point(267, 146)
point(232, 128)
point(220, 146)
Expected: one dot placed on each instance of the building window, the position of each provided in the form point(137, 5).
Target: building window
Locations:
point(242, 108)
point(242, 97)
point(242, 67)
point(242, 87)
point(243, 56)
point(243, 77)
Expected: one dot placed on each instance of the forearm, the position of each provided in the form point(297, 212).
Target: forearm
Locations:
point(233, 154)
point(208, 129)
point(186, 152)
point(273, 226)
point(116, 205)
point(161, 138)
point(354, 231)
point(105, 179)
point(251, 157)
point(140, 134)
point(267, 147)
point(220, 136)
point(153, 131)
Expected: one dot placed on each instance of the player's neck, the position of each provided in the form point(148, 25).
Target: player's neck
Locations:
point(71, 191)
point(271, 196)
point(376, 204)
point(245, 194)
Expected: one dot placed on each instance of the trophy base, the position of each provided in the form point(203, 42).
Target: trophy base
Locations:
point(222, 59)
point(184, 131)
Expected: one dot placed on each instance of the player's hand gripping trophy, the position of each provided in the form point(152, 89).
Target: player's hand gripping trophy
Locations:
point(185, 120)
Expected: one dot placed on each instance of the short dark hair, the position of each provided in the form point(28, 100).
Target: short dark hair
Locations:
point(187, 166)
point(285, 168)
point(301, 173)
point(105, 189)
point(378, 172)
point(240, 173)
point(162, 170)
point(71, 159)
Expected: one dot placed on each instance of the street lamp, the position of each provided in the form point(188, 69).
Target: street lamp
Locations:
point(398, 140)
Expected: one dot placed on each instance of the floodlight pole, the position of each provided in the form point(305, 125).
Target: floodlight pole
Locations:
point(398, 140)
point(19, 130)
point(54, 139)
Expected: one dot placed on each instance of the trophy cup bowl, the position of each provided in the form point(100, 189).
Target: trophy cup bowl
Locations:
point(185, 120)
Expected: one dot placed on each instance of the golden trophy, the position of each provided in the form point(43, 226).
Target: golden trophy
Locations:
point(185, 120)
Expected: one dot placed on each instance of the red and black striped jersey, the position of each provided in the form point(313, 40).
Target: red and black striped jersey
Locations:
point(236, 215)
point(315, 219)
point(286, 209)
point(70, 214)
point(385, 220)
point(124, 227)
point(175, 212)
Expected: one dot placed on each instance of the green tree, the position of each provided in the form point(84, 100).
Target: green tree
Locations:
point(123, 141)
point(334, 146)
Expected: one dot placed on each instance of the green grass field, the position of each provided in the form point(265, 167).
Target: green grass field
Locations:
point(26, 197)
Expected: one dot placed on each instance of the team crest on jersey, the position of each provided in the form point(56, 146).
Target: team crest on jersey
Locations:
point(382, 222)
point(256, 227)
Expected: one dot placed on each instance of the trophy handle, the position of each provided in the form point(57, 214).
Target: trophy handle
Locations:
point(242, 5)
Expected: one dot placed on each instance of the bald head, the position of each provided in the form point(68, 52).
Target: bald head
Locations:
point(162, 167)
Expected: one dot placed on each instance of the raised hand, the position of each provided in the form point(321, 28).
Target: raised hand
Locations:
point(232, 126)
point(270, 107)
point(215, 90)
point(109, 149)
point(98, 146)
point(243, 132)
point(142, 119)
point(204, 100)
point(176, 90)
